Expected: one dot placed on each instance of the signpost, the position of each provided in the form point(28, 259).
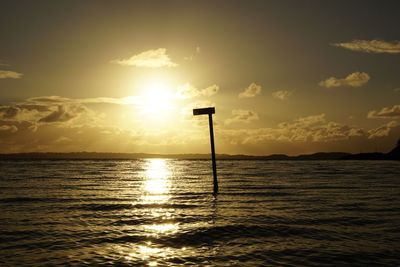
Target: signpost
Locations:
point(210, 111)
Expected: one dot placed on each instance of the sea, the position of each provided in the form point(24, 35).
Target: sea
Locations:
point(161, 212)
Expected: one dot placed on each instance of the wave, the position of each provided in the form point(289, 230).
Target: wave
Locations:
point(119, 206)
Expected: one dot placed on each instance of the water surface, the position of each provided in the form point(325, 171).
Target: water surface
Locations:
point(159, 212)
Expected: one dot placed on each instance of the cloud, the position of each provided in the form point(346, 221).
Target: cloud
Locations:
point(385, 113)
point(54, 123)
point(4, 63)
point(196, 52)
point(62, 114)
point(355, 79)
point(383, 130)
point(372, 46)
point(241, 115)
point(128, 100)
point(49, 109)
point(49, 99)
point(189, 91)
point(6, 74)
point(210, 91)
point(313, 128)
point(57, 123)
point(63, 139)
point(252, 90)
point(151, 59)
point(186, 112)
point(23, 112)
point(303, 122)
point(282, 94)
point(8, 112)
point(12, 126)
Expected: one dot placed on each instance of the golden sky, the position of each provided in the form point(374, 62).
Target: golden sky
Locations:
point(123, 76)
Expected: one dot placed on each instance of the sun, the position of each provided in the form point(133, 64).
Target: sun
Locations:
point(156, 99)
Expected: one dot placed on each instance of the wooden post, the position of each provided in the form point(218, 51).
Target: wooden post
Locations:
point(210, 111)
point(214, 164)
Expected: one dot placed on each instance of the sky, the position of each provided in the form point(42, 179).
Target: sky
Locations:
point(285, 77)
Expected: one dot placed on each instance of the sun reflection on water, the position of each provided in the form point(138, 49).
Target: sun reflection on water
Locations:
point(157, 183)
point(157, 229)
point(156, 197)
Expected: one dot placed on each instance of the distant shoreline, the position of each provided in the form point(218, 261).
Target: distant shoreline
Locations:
point(127, 156)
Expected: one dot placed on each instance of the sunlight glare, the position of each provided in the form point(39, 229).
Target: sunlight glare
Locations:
point(157, 99)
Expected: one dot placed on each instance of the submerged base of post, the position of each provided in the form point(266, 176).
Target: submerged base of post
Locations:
point(215, 179)
point(215, 187)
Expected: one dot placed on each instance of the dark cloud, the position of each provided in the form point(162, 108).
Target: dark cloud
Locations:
point(8, 112)
point(34, 107)
point(12, 127)
point(62, 114)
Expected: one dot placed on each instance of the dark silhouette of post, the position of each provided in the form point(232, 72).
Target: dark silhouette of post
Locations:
point(214, 164)
point(210, 111)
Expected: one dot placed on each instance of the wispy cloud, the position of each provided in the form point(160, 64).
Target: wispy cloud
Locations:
point(151, 59)
point(282, 94)
point(4, 74)
point(355, 79)
point(189, 91)
point(371, 46)
point(251, 91)
point(4, 63)
point(49, 99)
point(385, 113)
point(193, 56)
point(241, 115)
point(128, 100)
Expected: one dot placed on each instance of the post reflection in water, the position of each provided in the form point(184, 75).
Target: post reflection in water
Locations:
point(155, 197)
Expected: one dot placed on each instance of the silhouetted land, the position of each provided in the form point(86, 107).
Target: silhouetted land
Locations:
point(394, 154)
